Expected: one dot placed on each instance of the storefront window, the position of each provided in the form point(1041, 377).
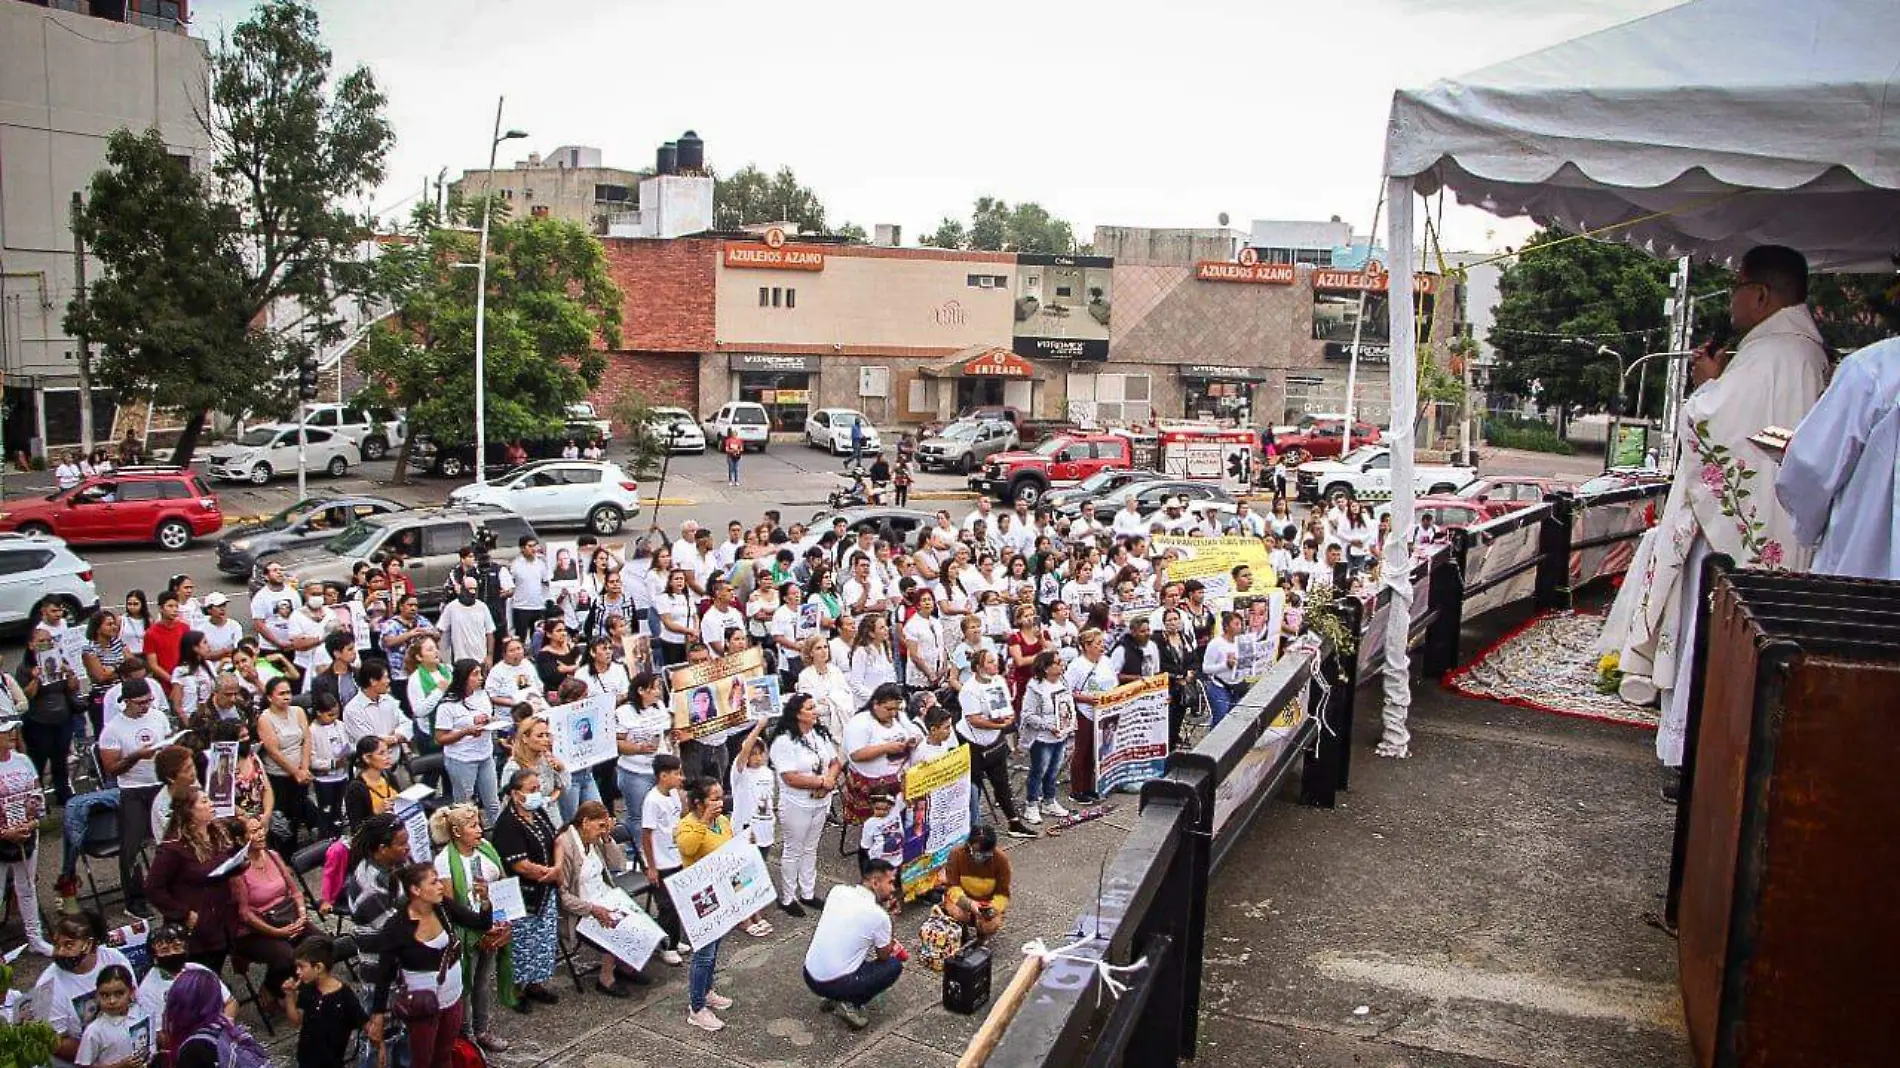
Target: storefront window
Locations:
point(785, 394)
point(1218, 399)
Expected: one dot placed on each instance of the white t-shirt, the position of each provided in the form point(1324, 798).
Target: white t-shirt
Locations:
point(224, 636)
point(66, 999)
point(852, 927)
point(330, 751)
point(677, 609)
point(928, 750)
point(754, 804)
point(531, 582)
point(127, 734)
point(1084, 677)
point(660, 813)
point(458, 715)
point(713, 625)
point(809, 755)
point(923, 636)
point(194, 689)
point(156, 984)
point(863, 730)
point(510, 684)
point(1220, 660)
point(302, 626)
point(640, 725)
point(987, 699)
point(111, 1039)
point(883, 838)
point(613, 681)
point(466, 627)
point(265, 601)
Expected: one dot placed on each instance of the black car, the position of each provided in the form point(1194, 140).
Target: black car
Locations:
point(1069, 501)
point(307, 522)
point(1152, 495)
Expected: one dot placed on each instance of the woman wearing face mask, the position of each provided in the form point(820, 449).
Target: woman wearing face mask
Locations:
point(468, 749)
point(62, 990)
point(976, 883)
point(524, 836)
point(181, 883)
point(533, 750)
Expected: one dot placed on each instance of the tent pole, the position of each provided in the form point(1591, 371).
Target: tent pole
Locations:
point(1397, 569)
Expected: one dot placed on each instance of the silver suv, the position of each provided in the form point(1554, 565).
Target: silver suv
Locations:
point(429, 539)
point(962, 447)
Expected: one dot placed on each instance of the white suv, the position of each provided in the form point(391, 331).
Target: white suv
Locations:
point(748, 418)
point(35, 567)
point(553, 493)
point(375, 433)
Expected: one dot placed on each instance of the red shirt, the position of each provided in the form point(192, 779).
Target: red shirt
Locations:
point(734, 447)
point(161, 648)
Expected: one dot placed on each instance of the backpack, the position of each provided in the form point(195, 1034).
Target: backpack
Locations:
point(466, 1054)
point(236, 1047)
point(939, 941)
point(336, 872)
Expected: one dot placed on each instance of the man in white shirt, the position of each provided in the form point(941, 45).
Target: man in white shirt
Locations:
point(1088, 518)
point(720, 616)
point(373, 712)
point(864, 544)
point(1173, 518)
point(684, 553)
point(222, 633)
point(705, 564)
point(850, 959)
point(862, 591)
point(309, 625)
point(468, 628)
point(983, 507)
point(127, 747)
point(728, 552)
point(531, 575)
point(264, 604)
point(1128, 521)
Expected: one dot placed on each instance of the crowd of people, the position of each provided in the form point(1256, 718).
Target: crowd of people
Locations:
point(234, 739)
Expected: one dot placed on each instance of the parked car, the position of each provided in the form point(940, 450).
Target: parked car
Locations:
point(376, 432)
point(1152, 495)
point(583, 423)
point(1508, 493)
point(458, 461)
point(1367, 474)
point(1063, 460)
point(264, 452)
point(830, 429)
point(167, 505)
point(429, 539)
point(309, 521)
point(1028, 431)
point(1320, 438)
point(903, 523)
point(965, 444)
point(595, 494)
point(1093, 487)
point(1449, 511)
point(748, 418)
point(35, 567)
point(677, 428)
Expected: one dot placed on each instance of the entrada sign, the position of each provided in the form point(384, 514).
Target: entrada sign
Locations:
point(998, 363)
point(783, 258)
point(1271, 274)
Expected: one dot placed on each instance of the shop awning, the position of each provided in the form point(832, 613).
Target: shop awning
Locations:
point(982, 361)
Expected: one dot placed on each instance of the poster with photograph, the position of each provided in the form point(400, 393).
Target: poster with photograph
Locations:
point(936, 817)
point(996, 620)
point(811, 617)
point(762, 699)
point(415, 820)
point(1259, 641)
point(1131, 733)
point(221, 778)
point(583, 731)
point(1212, 560)
point(22, 803)
point(1141, 605)
point(710, 698)
point(631, 940)
point(637, 650)
point(722, 890)
point(1064, 702)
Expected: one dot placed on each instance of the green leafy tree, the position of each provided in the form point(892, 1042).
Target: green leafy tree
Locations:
point(749, 197)
point(551, 304)
point(851, 232)
point(179, 310)
point(643, 437)
point(950, 233)
point(995, 226)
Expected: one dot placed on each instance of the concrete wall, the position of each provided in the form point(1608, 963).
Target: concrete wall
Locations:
point(566, 192)
point(1137, 246)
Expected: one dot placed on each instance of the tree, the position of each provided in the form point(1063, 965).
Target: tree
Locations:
point(749, 198)
point(1561, 304)
point(645, 437)
point(180, 308)
point(550, 300)
point(997, 227)
point(851, 232)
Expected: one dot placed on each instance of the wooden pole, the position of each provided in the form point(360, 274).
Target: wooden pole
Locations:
point(977, 1053)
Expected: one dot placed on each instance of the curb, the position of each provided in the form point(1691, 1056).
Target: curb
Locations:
point(944, 495)
point(667, 502)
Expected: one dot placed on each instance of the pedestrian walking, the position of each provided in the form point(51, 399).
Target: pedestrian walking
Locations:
point(734, 449)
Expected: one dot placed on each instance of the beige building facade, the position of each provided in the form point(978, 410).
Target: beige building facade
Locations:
point(568, 183)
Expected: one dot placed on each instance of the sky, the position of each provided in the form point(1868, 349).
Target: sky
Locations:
point(1111, 112)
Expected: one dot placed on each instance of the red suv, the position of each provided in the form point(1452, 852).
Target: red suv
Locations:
point(161, 504)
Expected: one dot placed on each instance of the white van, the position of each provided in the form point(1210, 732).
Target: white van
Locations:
point(748, 419)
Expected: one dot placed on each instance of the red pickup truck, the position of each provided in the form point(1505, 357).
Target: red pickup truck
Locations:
point(1062, 460)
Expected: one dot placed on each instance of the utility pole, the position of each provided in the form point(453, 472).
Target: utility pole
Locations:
point(1681, 327)
point(1358, 325)
point(85, 346)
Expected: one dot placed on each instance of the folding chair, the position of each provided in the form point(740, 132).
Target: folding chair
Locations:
point(432, 769)
point(310, 859)
point(246, 991)
point(100, 843)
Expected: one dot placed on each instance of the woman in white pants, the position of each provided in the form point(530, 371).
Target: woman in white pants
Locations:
point(18, 844)
point(805, 759)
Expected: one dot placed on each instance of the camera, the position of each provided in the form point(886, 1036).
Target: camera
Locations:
point(485, 541)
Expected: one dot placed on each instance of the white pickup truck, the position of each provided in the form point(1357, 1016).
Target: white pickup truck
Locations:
point(1366, 473)
point(374, 432)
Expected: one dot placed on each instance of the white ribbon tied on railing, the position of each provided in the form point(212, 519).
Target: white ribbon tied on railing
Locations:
point(1103, 969)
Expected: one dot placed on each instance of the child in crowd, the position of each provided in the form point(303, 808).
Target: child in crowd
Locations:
point(883, 836)
point(754, 793)
point(330, 751)
point(326, 1012)
point(121, 1036)
point(659, 815)
point(938, 737)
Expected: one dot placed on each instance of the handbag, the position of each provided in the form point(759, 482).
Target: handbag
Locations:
point(282, 914)
point(939, 940)
point(410, 1004)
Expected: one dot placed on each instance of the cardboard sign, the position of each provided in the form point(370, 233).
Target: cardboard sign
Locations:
point(720, 891)
point(711, 698)
point(583, 731)
point(936, 817)
point(1131, 733)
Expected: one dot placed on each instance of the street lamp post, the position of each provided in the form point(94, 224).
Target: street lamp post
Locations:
point(481, 300)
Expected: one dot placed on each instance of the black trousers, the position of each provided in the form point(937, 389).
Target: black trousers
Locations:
point(991, 763)
point(49, 745)
point(135, 826)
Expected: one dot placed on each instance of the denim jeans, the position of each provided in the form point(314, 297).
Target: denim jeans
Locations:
point(581, 788)
point(732, 468)
point(872, 978)
point(634, 787)
point(474, 778)
point(1045, 764)
point(1219, 701)
point(699, 980)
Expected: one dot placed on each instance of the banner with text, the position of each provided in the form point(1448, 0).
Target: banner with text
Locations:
point(1131, 733)
point(711, 698)
point(1212, 560)
point(936, 817)
point(720, 891)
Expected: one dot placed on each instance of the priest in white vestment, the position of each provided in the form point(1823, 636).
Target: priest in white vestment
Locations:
point(1839, 480)
point(1722, 499)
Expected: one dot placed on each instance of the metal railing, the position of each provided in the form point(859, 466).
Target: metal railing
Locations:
point(1145, 933)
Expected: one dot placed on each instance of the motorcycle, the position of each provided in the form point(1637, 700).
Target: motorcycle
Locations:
point(860, 493)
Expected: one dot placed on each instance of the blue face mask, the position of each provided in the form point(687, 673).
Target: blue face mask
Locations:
point(534, 802)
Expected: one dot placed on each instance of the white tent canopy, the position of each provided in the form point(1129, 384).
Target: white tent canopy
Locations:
point(1702, 130)
point(1749, 121)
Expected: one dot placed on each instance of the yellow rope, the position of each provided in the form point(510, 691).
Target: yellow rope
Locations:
point(1590, 234)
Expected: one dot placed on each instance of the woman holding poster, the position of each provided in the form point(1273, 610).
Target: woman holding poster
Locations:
point(827, 685)
point(702, 829)
point(986, 715)
point(524, 837)
point(588, 858)
point(469, 864)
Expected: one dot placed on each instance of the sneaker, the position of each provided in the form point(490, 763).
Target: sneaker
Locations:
point(1032, 813)
point(705, 1020)
point(1085, 800)
point(854, 1017)
point(758, 928)
point(492, 1043)
point(1055, 809)
point(672, 956)
point(792, 908)
point(827, 1005)
point(812, 903)
point(1017, 829)
point(718, 1001)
